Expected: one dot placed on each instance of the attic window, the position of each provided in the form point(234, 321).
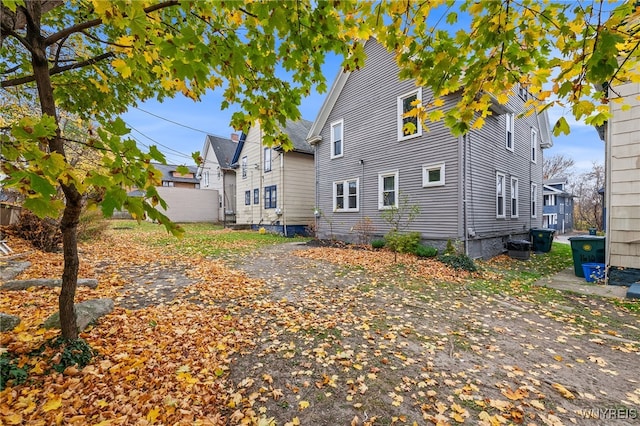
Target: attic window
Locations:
point(408, 123)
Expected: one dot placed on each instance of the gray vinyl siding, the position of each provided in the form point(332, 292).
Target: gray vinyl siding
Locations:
point(368, 106)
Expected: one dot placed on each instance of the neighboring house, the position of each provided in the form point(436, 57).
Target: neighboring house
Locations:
point(481, 189)
point(186, 202)
point(216, 173)
point(173, 179)
point(622, 191)
point(275, 188)
point(557, 210)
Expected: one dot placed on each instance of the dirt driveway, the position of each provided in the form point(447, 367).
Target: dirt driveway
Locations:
point(297, 335)
point(341, 345)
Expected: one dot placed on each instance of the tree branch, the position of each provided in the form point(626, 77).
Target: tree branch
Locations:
point(57, 70)
point(53, 38)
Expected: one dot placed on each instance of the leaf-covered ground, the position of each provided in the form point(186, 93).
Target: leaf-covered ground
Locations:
point(291, 334)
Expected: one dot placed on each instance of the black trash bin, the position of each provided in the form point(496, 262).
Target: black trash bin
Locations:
point(541, 239)
point(519, 249)
point(586, 250)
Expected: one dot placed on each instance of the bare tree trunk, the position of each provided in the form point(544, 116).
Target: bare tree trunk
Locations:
point(73, 198)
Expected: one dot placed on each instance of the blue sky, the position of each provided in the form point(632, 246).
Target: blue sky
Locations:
point(177, 142)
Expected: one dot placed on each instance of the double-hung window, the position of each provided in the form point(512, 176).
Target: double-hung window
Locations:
point(388, 190)
point(267, 159)
point(256, 196)
point(337, 134)
point(346, 196)
point(270, 197)
point(534, 145)
point(244, 167)
point(509, 131)
point(534, 200)
point(500, 190)
point(514, 197)
point(433, 175)
point(247, 198)
point(408, 124)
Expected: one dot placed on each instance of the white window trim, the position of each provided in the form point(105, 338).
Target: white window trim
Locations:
point(515, 190)
point(504, 207)
point(381, 177)
point(244, 164)
point(425, 175)
point(534, 200)
point(346, 195)
point(335, 123)
point(534, 145)
point(509, 128)
point(267, 159)
point(400, 113)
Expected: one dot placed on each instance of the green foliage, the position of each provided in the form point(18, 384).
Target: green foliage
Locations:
point(402, 243)
point(425, 251)
point(10, 370)
point(458, 261)
point(400, 216)
point(72, 353)
point(378, 243)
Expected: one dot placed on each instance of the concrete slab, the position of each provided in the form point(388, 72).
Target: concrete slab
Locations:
point(567, 280)
point(634, 291)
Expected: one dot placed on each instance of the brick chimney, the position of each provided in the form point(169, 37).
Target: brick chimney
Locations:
point(235, 137)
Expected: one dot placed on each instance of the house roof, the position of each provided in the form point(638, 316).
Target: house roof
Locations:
point(313, 136)
point(168, 169)
point(223, 148)
point(556, 180)
point(297, 132)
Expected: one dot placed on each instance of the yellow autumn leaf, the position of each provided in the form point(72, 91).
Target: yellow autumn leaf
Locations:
point(53, 403)
point(153, 414)
point(13, 419)
point(303, 405)
point(563, 391)
point(122, 67)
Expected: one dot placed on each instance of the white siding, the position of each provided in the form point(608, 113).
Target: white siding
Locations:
point(293, 175)
point(623, 180)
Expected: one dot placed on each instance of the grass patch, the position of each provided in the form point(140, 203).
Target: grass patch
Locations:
point(204, 239)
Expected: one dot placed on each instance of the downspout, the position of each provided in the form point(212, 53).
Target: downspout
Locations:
point(284, 213)
point(465, 223)
point(316, 211)
point(224, 201)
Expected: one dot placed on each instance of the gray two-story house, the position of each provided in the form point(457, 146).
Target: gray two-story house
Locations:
point(480, 190)
point(557, 205)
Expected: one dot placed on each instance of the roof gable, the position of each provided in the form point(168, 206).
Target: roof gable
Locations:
point(223, 148)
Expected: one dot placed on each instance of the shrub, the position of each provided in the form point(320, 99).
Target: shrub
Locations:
point(74, 352)
point(9, 370)
point(458, 261)
point(402, 243)
point(43, 234)
point(378, 244)
point(92, 225)
point(425, 251)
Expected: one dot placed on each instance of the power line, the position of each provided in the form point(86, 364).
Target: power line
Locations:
point(177, 123)
point(178, 153)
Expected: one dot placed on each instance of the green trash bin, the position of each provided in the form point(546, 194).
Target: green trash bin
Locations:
point(541, 239)
point(586, 250)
